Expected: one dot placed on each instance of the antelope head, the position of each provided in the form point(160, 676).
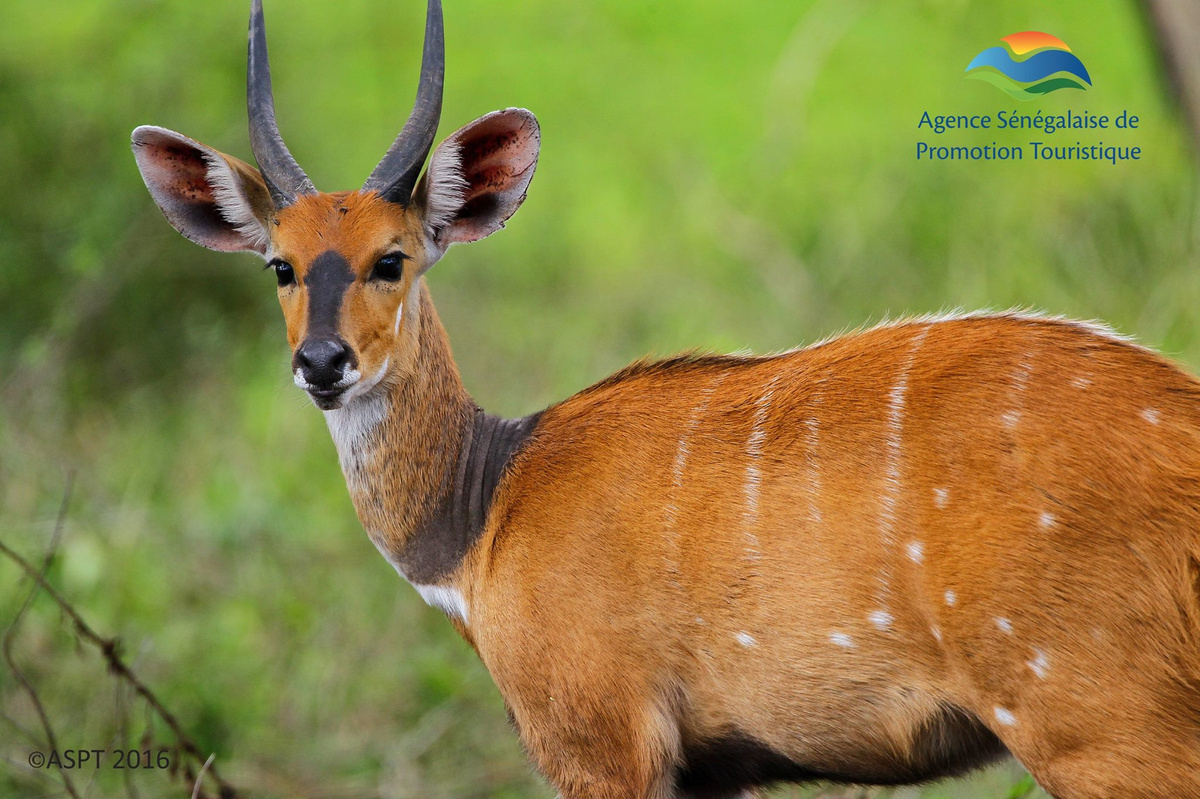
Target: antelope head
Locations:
point(348, 264)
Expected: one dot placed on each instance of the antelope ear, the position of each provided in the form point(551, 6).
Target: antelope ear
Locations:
point(213, 199)
point(477, 178)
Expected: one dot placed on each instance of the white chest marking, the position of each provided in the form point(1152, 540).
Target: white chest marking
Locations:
point(448, 600)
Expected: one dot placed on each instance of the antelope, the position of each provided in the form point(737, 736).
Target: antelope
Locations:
point(885, 558)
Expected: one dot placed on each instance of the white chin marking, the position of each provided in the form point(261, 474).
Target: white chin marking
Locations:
point(361, 387)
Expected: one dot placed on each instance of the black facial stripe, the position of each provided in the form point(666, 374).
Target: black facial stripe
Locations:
point(326, 280)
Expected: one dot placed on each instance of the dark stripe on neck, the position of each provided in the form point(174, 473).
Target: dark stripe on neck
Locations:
point(442, 540)
point(326, 280)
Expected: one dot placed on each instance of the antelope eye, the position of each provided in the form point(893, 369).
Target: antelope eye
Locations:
point(283, 272)
point(389, 267)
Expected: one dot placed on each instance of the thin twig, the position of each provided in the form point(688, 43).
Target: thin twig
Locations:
point(200, 776)
point(39, 582)
point(110, 649)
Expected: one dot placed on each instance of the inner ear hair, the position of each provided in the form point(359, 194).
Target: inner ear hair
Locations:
point(443, 188)
point(236, 201)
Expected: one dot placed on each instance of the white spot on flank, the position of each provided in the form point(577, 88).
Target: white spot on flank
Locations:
point(447, 600)
point(937, 633)
point(941, 496)
point(1152, 416)
point(1039, 664)
point(880, 618)
point(916, 551)
point(1081, 382)
point(699, 620)
point(1004, 625)
point(746, 639)
point(951, 598)
point(1011, 418)
point(842, 640)
point(1046, 519)
point(1005, 717)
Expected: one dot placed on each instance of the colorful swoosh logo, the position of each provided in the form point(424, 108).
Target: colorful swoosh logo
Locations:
point(1029, 65)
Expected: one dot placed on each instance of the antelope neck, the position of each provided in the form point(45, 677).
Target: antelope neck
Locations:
point(422, 461)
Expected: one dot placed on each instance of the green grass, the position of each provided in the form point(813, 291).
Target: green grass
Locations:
point(709, 179)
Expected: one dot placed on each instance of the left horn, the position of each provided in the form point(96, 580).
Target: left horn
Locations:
point(284, 178)
point(396, 175)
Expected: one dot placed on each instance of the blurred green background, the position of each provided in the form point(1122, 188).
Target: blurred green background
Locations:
point(713, 175)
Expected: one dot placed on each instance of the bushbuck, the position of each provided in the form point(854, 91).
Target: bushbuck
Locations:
point(889, 557)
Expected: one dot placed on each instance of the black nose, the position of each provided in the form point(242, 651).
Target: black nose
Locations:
point(322, 361)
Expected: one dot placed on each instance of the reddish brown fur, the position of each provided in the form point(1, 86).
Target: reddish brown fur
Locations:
point(577, 565)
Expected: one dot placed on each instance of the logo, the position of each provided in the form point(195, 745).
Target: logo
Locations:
point(1030, 64)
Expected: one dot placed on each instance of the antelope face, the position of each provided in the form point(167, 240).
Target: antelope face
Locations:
point(348, 264)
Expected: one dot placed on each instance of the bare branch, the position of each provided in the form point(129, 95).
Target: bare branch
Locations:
point(39, 581)
point(110, 649)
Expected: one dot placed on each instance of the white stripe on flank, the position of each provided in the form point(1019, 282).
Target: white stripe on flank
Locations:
point(682, 453)
point(754, 446)
point(1020, 381)
point(892, 471)
point(813, 440)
